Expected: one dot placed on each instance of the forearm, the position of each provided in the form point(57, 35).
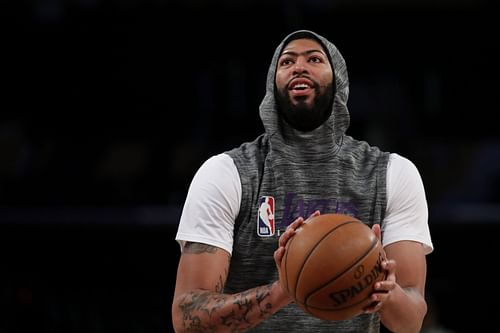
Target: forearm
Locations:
point(208, 311)
point(405, 311)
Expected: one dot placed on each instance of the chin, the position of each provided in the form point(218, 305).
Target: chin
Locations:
point(304, 105)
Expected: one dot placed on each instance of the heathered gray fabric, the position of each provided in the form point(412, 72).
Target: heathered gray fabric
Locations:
point(324, 169)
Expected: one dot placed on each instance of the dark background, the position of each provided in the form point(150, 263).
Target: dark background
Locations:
point(108, 108)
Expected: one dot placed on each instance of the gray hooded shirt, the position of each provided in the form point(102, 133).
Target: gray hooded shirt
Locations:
point(296, 173)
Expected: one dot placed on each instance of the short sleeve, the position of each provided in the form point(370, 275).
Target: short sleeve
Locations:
point(407, 212)
point(212, 204)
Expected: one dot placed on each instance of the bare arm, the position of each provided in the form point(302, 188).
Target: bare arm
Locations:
point(200, 306)
point(406, 307)
point(402, 306)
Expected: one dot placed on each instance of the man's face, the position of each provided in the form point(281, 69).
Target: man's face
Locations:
point(304, 82)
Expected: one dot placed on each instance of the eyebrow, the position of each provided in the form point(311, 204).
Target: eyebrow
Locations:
point(289, 52)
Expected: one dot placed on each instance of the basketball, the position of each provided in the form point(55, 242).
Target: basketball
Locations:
point(330, 266)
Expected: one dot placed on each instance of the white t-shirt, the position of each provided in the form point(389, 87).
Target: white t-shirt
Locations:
point(214, 196)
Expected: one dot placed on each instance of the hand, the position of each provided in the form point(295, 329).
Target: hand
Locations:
point(382, 289)
point(285, 237)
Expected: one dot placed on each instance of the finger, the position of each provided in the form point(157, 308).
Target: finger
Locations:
point(290, 231)
point(384, 286)
point(389, 265)
point(316, 213)
point(377, 231)
point(297, 223)
point(379, 298)
point(284, 238)
point(278, 254)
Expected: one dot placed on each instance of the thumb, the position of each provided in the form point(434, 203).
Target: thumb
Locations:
point(377, 231)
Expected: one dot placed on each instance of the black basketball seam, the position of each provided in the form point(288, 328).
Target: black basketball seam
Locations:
point(374, 243)
point(312, 250)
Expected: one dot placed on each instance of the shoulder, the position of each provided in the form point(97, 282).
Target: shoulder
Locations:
point(401, 163)
point(218, 160)
point(216, 165)
point(401, 171)
point(215, 178)
point(404, 183)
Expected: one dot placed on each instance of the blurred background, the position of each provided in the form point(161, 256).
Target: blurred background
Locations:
point(107, 109)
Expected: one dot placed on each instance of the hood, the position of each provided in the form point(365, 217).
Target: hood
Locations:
point(329, 134)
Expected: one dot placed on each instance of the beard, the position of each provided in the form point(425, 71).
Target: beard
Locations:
point(301, 116)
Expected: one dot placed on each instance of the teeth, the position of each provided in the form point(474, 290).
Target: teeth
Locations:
point(300, 86)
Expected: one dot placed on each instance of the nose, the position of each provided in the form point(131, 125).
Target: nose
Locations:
point(300, 66)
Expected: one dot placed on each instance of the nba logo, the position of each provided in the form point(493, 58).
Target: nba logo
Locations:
point(265, 217)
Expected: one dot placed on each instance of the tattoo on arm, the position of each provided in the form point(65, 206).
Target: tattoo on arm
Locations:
point(197, 248)
point(209, 310)
point(204, 311)
point(219, 287)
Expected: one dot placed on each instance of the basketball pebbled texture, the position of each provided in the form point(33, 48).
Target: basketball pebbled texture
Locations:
point(330, 266)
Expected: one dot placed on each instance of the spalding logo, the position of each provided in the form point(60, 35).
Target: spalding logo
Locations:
point(364, 281)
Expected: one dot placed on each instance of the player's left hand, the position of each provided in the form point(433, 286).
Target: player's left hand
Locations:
point(382, 289)
point(289, 233)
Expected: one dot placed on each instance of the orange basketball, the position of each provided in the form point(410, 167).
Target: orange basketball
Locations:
point(330, 266)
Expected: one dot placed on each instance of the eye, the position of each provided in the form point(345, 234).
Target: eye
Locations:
point(316, 59)
point(286, 62)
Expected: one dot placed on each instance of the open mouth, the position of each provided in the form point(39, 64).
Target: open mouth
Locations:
point(300, 87)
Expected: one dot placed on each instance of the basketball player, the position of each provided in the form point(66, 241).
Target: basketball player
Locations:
point(303, 165)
